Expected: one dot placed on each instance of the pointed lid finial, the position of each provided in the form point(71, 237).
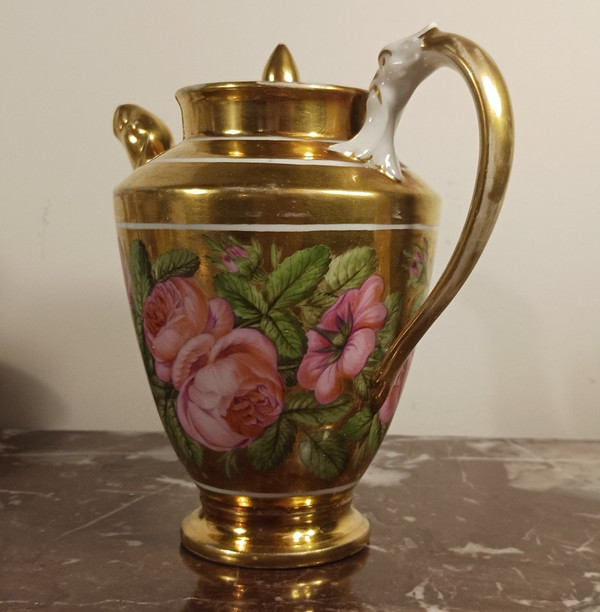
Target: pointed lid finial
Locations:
point(281, 67)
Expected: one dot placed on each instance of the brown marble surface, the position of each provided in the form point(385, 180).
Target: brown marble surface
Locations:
point(89, 521)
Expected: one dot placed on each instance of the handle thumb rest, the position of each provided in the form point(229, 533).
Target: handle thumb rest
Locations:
point(496, 139)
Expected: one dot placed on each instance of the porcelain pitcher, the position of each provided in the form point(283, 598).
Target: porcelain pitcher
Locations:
point(277, 264)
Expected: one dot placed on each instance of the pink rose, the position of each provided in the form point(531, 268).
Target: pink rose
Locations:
point(387, 411)
point(175, 312)
point(345, 338)
point(416, 264)
point(235, 393)
point(234, 251)
point(194, 353)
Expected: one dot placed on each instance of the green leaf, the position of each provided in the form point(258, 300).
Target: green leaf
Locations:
point(148, 360)
point(286, 333)
point(141, 286)
point(303, 408)
point(192, 450)
point(350, 270)
point(323, 453)
point(214, 246)
point(418, 302)
point(296, 277)
point(259, 277)
point(255, 244)
point(141, 274)
point(161, 391)
point(179, 439)
point(245, 299)
point(162, 397)
point(178, 262)
point(275, 255)
point(358, 426)
point(229, 460)
point(321, 300)
point(288, 370)
point(363, 382)
point(275, 444)
point(250, 266)
point(247, 267)
point(375, 437)
point(362, 385)
point(315, 306)
point(394, 303)
point(370, 443)
point(358, 458)
point(165, 396)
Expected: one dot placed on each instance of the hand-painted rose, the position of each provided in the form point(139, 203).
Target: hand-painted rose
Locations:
point(176, 312)
point(229, 402)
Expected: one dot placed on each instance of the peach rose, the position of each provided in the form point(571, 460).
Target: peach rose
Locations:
point(235, 393)
point(175, 312)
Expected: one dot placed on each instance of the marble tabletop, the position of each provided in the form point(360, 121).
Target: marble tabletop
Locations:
point(90, 521)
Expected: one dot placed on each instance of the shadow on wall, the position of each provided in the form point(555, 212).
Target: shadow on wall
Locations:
point(27, 403)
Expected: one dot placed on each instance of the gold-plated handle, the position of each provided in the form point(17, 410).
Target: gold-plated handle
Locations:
point(143, 134)
point(495, 156)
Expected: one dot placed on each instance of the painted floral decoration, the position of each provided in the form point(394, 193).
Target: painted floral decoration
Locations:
point(275, 358)
point(338, 348)
point(416, 258)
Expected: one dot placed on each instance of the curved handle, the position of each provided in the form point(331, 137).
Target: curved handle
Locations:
point(143, 134)
point(495, 156)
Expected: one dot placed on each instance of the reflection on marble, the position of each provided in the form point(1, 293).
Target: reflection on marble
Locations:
point(89, 521)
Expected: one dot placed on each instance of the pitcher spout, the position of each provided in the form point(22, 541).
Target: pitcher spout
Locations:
point(143, 135)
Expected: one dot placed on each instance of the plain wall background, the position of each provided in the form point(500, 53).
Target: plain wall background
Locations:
point(516, 354)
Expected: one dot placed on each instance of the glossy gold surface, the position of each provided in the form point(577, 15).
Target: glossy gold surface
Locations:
point(270, 109)
point(143, 135)
point(205, 190)
point(293, 531)
point(281, 67)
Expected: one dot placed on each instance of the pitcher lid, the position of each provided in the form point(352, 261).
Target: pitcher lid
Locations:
point(277, 106)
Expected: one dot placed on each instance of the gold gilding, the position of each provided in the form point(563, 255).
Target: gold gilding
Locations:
point(292, 531)
point(281, 67)
point(143, 135)
point(271, 109)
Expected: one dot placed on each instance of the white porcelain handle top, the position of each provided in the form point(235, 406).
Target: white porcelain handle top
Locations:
point(403, 65)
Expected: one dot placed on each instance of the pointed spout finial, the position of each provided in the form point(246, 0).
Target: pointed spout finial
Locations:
point(281, 67)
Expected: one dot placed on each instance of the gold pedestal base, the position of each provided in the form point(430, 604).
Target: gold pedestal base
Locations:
point(276, 532)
